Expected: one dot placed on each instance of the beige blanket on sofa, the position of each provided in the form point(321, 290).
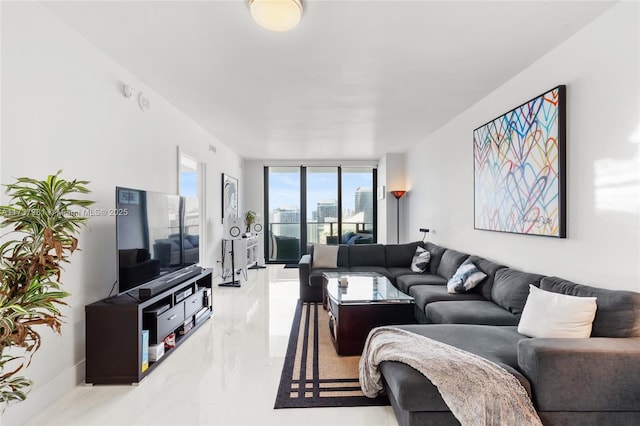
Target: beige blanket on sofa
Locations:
point(478, 391)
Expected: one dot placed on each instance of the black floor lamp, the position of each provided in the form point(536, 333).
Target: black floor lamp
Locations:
point(398, 195)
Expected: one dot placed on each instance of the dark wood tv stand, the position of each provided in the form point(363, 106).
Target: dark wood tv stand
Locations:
point(114, 328)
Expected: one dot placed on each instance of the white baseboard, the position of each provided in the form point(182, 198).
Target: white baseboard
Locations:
point(43, 396)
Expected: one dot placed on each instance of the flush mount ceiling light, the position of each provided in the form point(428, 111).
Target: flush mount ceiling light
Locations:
point(276, 15)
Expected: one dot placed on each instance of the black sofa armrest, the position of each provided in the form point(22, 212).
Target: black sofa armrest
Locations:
point(305, 265)
point(594, 374)
point(308, 293)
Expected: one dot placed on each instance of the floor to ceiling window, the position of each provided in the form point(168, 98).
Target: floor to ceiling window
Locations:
point(317, 205)
point(282, 216)
point(358, 205)
point(322, 204)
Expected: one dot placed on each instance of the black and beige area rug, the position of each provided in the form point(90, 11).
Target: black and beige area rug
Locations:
point(314, 375)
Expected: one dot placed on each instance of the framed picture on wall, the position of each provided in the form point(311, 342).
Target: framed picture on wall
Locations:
point(229, 197)
point(519, 166)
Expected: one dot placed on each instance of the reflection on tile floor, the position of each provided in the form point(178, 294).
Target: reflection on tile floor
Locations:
point(227, 373)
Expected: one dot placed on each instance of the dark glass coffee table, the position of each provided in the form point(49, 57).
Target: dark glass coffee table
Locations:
point(369, 300)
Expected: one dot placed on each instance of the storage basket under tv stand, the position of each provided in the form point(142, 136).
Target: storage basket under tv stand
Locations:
point(114, 329)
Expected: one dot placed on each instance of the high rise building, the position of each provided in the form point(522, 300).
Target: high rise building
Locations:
point(364, 203)
point(327, 211)
point(285, 221)
point(286, 215)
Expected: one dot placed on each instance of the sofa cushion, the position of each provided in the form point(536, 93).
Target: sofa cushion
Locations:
point(400, 255)
point(378, 269)
point(470, 312)
point(405, 282)
point(398, 272)
point(618, 312)
point(489, 268)
point(588, 376)
point(450, 262)
point(343, 256)
point(425, 294)
point(556, 315)
point(511, 288)
point(414, 392)
point(315, 277)
point(436, 255)
point(366, 255)
point(324, 256)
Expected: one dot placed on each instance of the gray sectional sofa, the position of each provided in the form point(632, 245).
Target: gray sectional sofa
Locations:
point(591, 381)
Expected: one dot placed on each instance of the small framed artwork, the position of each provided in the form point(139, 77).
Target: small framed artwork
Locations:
point(519, 169)
point(229, 197)
point(381, 192)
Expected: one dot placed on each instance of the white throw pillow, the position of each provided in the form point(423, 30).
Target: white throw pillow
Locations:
point(466, 277)
point(420, 260)
point(548, 314)
point(325, 256)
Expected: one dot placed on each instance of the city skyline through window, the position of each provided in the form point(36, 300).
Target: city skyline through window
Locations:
point(284, 189)
point(355, 223)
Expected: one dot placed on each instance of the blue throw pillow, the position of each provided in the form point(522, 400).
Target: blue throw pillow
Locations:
point(194, 240)
point(352, 240)
point(346, 237)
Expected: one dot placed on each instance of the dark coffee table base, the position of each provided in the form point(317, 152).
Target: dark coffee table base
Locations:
point(351, 323)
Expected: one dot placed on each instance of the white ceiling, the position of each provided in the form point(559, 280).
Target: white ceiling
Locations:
point(354, 80)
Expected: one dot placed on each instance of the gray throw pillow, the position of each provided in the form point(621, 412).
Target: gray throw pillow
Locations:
point(325, 256)
point(420, 260)
point(466, 277)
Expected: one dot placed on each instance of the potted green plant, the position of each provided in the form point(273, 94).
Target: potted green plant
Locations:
point(43, 234)
point(249, 219)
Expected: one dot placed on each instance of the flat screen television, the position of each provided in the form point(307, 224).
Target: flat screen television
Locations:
point(157, 235)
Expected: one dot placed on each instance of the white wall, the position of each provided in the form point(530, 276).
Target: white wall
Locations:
point(253, 186)
point(252, 190)
point(63, 108)
point(391, 174)
point(600, 66)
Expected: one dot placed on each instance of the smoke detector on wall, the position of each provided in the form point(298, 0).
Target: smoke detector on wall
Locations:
point(143, 102)
point(128, 91)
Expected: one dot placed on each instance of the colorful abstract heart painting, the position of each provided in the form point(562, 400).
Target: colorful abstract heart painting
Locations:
point(519, 161)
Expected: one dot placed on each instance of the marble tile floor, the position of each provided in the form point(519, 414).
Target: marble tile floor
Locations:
point(227, 373)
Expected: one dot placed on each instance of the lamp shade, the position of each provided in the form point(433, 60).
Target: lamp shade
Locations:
point(398, 194)
point(276, 15)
